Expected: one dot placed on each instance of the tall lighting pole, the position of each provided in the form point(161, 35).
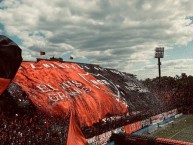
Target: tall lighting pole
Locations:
point(159, 53)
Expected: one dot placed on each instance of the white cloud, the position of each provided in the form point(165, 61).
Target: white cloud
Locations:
point(118, 34)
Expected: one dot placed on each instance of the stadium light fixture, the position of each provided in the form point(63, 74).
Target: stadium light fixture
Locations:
point(159, 53)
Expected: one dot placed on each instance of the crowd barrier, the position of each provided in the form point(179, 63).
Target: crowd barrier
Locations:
point(153, 127)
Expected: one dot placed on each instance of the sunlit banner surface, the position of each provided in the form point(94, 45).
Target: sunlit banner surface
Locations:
point(57, 88)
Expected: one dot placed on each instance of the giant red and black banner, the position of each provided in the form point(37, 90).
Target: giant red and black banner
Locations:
point(57, 88)
point(89, 93)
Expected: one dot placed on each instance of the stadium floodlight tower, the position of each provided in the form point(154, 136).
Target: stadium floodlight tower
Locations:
point(159, 53)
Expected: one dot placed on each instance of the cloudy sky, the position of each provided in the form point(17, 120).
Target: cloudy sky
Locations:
point(120, 34)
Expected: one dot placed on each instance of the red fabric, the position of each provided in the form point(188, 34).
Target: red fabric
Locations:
point(4, 84)
point(75, 136)
point(46, 81)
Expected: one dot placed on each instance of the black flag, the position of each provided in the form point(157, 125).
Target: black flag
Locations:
point(10, 60)
point(42, 53)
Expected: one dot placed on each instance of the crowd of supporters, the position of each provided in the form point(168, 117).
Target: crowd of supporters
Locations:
point(23, 124)
point(33, 127)
point(28, 126)
point(23, 129)
point(173, 92)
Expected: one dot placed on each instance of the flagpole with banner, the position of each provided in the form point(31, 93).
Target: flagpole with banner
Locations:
point(42, 53)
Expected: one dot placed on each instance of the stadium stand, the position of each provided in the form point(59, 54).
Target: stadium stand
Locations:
point(45, 94)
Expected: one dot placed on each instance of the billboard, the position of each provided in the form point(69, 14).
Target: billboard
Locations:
point(130, 128)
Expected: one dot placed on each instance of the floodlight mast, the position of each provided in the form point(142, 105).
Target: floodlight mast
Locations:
point(159, 53)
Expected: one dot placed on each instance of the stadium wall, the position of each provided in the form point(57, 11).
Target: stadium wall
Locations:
point(136, 128)
point(154, 126)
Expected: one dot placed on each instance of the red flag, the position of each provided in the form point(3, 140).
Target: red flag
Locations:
point(42, 53)
point(75, 135)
